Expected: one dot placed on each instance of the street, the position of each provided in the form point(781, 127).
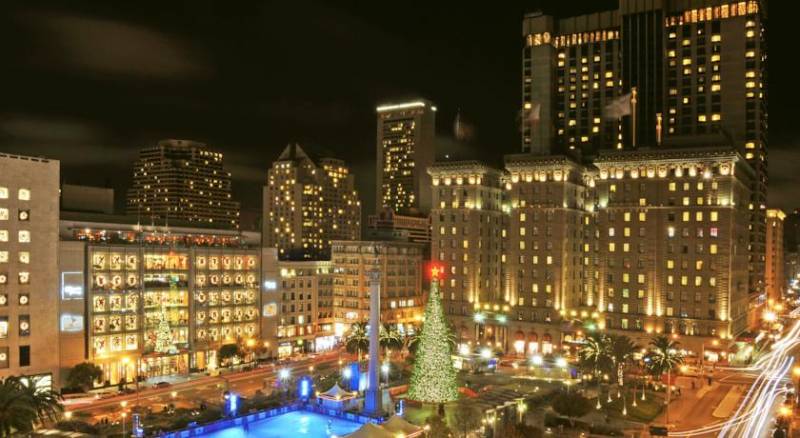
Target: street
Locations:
point(202, 389)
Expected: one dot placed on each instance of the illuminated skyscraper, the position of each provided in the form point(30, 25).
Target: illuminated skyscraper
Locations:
point(774, 278)
point(308, 204)
point(182, 179)
point(405, 149)
point(699, 74)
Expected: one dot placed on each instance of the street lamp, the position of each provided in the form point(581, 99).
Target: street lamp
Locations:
point(124, 415)
point(385, 370)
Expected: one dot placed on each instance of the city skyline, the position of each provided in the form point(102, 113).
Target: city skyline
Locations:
point(196, 92)
point(407, 220)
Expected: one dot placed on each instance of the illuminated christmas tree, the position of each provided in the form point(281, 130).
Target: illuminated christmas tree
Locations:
point(163, 333)
point(433, 379)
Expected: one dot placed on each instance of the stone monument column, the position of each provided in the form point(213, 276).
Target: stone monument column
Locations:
point(373, 405)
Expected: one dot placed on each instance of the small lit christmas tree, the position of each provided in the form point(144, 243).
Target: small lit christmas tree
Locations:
point(433, 379)
point(163, 333)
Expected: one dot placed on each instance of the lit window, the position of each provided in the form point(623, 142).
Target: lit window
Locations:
point(714, 216)
point(612, 247)
point(24, 236)
point(3, 235)
point(24, 215)
point(670, 264)
point(24, 195)
point(24, 257)
point(3, 214)
point(3, 192)
point(3, 256)
point(24, 277)
point(713, 248)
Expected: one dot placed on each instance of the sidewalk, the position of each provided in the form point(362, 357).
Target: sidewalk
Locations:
point(685, 406)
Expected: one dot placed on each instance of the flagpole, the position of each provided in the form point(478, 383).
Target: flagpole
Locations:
point(633, 116)
point(658, 128)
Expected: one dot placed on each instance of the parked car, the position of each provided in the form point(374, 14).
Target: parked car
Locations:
point(162, 385)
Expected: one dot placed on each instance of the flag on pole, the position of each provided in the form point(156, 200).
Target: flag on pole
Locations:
point(619, 107)
point(462, 130)
point(534, 114)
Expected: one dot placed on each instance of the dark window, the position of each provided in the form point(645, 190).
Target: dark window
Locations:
point(24, 355)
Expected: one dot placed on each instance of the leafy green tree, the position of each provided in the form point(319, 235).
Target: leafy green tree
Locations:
point(621, 352)
point(228, 352)
point(519, 431)
point(83, 375)
point(357, 340)
point(466, 418)
point(571, 405)
point(23, 405)
point(437, 427)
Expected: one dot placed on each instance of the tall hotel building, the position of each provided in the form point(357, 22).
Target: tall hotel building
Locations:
point(29, 267)
point(183, 180)
point(405, 149)
point(309, 204)
point(642, 241)
point(699, 71)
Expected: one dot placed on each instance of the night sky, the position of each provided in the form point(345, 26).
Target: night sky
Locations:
point(89, 83)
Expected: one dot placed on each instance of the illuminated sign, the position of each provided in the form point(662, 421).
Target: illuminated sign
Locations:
point(72, 285)
point(270, 285)
point(270, 309)
point(71, 323)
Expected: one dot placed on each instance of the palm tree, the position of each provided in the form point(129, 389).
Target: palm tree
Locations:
point(46, 402)
point(390, 338)
point(663, 358)
point(22, 406)
point(595, 354)
point(621, 352)
point(357, 339)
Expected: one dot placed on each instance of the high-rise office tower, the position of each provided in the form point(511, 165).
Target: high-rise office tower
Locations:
point(184, 180)
point(405, 149)
point(695, 70)
point(774, 278)
point(29, 277)
point(308, 204)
